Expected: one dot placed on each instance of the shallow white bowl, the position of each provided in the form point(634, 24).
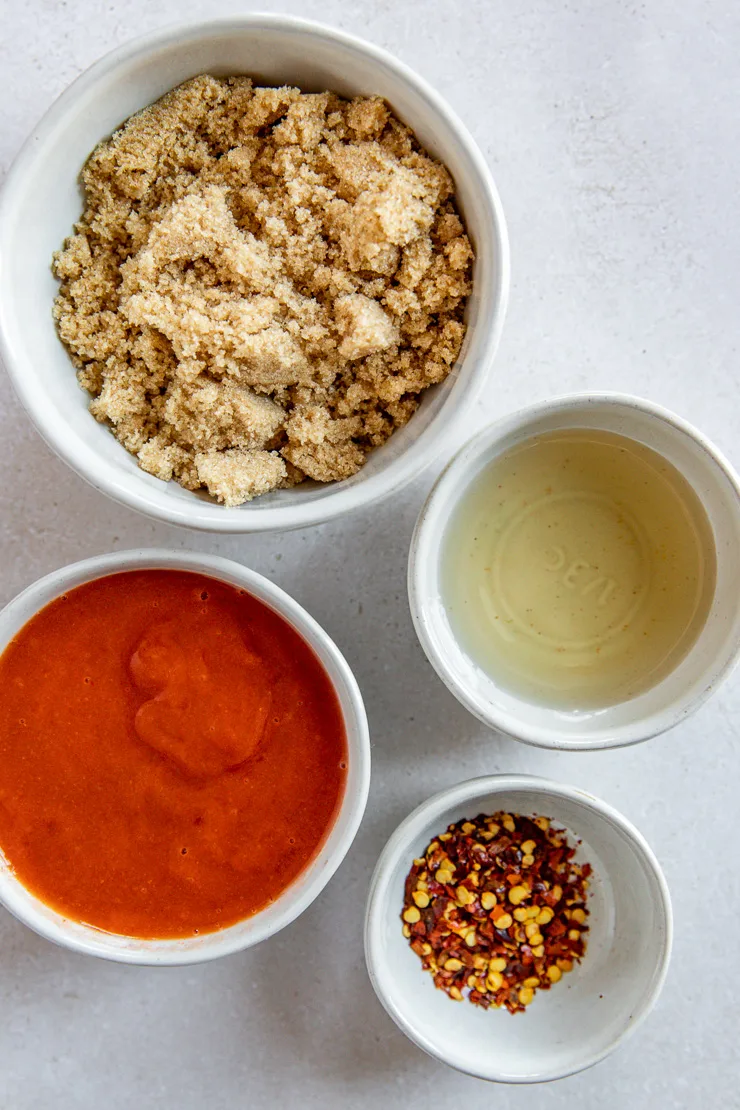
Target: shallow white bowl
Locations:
point(705, 666)
point(594, 1007)
point(309, 884)
point(41, 201)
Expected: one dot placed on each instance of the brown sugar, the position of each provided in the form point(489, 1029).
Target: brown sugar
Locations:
point(262, 283)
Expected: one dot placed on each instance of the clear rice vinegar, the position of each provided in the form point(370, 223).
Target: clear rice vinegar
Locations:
point(578, 569)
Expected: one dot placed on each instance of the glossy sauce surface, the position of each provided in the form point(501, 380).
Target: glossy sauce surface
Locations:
point(172, 754)
point(578, 568)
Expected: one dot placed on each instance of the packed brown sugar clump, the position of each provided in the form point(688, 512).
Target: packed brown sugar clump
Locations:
point(262, 284)
point(496, 909)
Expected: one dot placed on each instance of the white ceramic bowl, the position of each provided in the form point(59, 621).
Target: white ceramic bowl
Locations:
point(705, 666)
point(41, 201)
point(309, 884)
point(594, 1007)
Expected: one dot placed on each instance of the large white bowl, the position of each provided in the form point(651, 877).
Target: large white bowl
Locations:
point(41, 201)
point(309, 884)
point(717, 646)
point(594, 1007)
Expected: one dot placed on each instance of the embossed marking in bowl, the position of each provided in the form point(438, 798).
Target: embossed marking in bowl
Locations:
point(613, 596)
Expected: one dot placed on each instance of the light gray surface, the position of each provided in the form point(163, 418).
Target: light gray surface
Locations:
point(611, 129)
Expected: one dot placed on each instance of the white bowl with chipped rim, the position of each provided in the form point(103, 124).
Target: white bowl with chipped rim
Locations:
point(596, 1006)
point(305, 888)
point(41, 200)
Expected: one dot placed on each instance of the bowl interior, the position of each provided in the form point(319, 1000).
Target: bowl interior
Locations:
point(583, 1016)
point(302, 891)
point(42, 200)
point(659, 707)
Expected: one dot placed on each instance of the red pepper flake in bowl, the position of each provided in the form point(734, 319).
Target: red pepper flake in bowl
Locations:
point(496, 909)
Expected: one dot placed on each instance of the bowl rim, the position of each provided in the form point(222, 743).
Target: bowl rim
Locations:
point(189, 514)
point(425, 544)
point(89, 940)
point(434, 808)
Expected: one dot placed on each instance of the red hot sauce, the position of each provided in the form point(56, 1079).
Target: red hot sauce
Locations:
point(172, 754)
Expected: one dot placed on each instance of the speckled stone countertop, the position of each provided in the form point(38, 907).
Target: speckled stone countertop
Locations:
point(611, 129)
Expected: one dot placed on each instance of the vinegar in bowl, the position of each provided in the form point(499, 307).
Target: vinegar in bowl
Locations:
point(578, 569)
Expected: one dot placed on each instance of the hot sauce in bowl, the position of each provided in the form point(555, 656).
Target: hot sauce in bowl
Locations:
point(173, 754)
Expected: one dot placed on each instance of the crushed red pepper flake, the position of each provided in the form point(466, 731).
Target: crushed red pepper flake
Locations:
point(496, 909)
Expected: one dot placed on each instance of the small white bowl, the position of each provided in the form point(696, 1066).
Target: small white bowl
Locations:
point(594, 1007)
point(41, 201)
point(705, 666)
point(309, 884)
